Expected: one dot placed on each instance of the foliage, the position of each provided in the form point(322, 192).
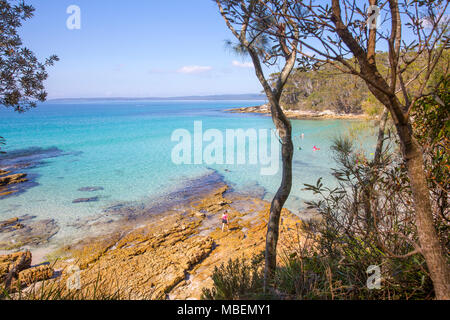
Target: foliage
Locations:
point(367, 220)
point(238, 279)
point(323, 88)
point(432, 129)
point(22, 76)
point(249, 21)
point(101, 288)
point(371, 106)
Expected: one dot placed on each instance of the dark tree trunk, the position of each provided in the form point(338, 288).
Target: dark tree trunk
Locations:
point(430, 245)
point(429, 242)
point(283, 125)
point(287, 149)
point(412, 155)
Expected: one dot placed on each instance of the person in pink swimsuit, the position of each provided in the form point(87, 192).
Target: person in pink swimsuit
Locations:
point(225, 220)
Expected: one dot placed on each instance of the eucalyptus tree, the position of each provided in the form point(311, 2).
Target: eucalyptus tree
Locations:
point(262, 36)
point(22, 76)
point(411, 31)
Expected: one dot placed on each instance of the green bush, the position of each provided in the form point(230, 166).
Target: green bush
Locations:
point(366, 220)
point(238, 279)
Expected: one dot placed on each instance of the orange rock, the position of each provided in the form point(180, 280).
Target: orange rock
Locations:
point(8, 222)
point(19, 261)
point(12, 179)
point(175, 253)
point(33, 275)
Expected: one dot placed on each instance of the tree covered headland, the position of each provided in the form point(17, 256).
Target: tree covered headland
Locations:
point(325, 88)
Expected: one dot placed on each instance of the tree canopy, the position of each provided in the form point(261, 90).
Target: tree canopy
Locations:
point(22, 75)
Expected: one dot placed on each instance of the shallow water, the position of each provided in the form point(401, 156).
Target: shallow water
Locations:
point(123, 148)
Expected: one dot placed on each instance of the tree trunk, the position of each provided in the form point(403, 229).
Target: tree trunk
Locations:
point(287, 150)
point(430, 245)
point(284, 128)
point(428, 238)
point(429, 242)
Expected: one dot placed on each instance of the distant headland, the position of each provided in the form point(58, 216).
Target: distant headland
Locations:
point(250, 96)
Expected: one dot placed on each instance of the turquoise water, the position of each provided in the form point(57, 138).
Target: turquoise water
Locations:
point(125, 148)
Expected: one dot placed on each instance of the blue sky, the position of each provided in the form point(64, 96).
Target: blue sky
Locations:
point(138, 48)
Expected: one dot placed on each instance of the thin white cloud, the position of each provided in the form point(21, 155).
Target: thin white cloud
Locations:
point(426, 23)
point(194, 69)
point(242, 64)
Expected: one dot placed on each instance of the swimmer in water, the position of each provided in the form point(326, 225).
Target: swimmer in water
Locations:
point(315, 148)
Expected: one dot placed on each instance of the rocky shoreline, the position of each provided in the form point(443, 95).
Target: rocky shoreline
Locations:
point(25, 230)
point(13, 179)
point(9, 180)
point(299, 114)
point(170, 256)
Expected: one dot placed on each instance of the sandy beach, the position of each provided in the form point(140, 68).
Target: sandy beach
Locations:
point(301, 114)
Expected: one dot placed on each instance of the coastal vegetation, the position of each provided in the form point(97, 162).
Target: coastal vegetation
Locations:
point(323, 87)
point(245, 20)
point(380, 232)
point(394, 91)
point(22, 75)
point(366, 221)
point(342, 30)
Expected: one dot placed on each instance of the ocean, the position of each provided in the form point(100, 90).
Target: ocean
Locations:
point(120, 152)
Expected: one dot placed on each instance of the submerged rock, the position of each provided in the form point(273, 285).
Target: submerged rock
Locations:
point(172, 254)
point(8, 222)
point(12, 180)
point(18, 232)
point(6, 181)
point(83, 200)
point(91, 189)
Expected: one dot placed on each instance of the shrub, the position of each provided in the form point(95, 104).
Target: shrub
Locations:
point(238, 279)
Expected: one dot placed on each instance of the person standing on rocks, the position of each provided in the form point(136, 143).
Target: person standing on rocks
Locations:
point(225, 220)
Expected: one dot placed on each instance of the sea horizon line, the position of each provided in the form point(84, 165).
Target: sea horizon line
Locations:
point(251, 96)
